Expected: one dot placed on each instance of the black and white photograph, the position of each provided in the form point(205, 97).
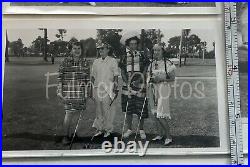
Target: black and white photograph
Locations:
point(118, 8)
point(106, 89)
point(242, 14)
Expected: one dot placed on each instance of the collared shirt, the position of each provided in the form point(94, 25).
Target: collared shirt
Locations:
point(104, 71)
point(133, 60)
point(129, 66)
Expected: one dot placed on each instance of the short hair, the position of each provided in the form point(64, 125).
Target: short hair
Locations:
point(110, 53)
point(165, 54)
point(70, 47)
point(76, 44)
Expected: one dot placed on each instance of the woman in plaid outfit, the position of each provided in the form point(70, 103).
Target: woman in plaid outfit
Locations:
point(134, 64)
point(74, 74)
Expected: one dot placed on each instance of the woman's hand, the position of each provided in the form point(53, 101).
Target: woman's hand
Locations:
point(115, 88)
point(157, 79)
point(136, 83)
point(153, 80)
point(162, 78)
point(59, 91)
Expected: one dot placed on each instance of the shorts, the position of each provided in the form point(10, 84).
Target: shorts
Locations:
point(135, 105)
point(72, 108)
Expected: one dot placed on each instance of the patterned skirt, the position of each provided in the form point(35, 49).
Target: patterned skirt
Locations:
point(135, 103)
point(74, 107)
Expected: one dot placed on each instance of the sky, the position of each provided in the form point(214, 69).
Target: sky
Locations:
point(29, 35)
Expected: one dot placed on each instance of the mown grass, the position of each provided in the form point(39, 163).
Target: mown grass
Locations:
point(32, 122)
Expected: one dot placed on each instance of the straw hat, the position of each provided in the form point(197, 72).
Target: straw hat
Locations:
point(156, 46)
point(100, 44)
point(129, 35)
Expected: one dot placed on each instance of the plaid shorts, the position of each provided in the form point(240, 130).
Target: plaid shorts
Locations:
point(71, 107)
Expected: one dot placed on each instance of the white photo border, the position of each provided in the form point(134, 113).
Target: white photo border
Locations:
point(214, 23)
point(8, 9)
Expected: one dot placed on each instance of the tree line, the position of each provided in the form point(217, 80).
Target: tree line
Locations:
point(186, 44)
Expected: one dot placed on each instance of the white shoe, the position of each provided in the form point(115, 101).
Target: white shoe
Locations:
point(107, 134)
point(142, 134)
point(128, 133)
point(168, 141)
point(98, 133)
point(157, 138)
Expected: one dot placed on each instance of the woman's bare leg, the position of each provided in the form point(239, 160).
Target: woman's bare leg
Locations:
point(141, 123)
point(129, 119)
point(165, 125)
point(160, 131)
point(66, 124)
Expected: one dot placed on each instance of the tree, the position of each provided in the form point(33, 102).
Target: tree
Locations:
point(150, 37)
point(89, 47)
point(73, 40)
point(193, 40)
point(154, 35)
point(61, 33)
point(163, 44)
point(174, 44)
point(38, 45)
point(17, 47)
point(25, 50)
point(45, 43)
point(192, 43)
point(7, 48)
point(59, 47)
point(112, 37)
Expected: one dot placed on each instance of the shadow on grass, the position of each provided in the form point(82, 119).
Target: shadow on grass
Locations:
point(190, 141)
point(37, 63)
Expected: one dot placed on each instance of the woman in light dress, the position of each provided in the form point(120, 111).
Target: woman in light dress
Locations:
point(161, 74)
point(104, 76)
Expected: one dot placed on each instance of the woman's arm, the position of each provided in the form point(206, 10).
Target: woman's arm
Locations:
point(93, 72)
point(116, 73)
point(60, 78)
point(161, 77)
point(171, 76)
point(122, 66)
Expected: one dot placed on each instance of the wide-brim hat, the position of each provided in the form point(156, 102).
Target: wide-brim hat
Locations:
point(100, 44)
point(157, 46)
point(129, 35)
